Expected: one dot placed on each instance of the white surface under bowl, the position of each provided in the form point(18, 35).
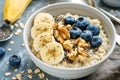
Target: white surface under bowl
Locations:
point(62, 8)
point(113, 3)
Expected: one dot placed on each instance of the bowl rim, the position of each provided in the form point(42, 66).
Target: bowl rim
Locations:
point(63, 68)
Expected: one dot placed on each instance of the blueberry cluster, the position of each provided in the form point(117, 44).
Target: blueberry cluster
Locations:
point(14, 60)
point(83, 29)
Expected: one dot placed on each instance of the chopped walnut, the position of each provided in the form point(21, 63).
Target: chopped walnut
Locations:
point(67, 45)
point(83, 52)
point(72, 55)
point(68, 26)
point(82, 43)
point(55, 26)
point(64, 33)
point(61, 34)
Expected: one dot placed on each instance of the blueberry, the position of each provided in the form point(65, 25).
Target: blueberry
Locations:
point(94, 29)
point(2, 52)
point(14, 61)
point(86, 35)
point(75, 32)
point(82, 23)
point(69, 20)
point(96, 41)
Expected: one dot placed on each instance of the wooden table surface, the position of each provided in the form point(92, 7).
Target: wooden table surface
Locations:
point(109, 71)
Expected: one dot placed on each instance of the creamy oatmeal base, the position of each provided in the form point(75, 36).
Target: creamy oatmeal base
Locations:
point(95, 54)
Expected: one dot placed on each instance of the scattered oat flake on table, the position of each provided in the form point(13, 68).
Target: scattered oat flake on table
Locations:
point(37, 71)
point(16, 25)
point(16, 70)
point(12, 27)
point(18, 76)
point(11, 42)
point(9, 49)
point(7, 62)
point(18, 31)
point(46, 79)
point(30, 71)
point(22, 72)
point(21, 25)
point(23, 44)
point(41, 75)
point(29, 76)
point(7, 73)
point(14, 78)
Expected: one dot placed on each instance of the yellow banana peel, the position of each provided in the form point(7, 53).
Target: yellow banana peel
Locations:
point(13, 9)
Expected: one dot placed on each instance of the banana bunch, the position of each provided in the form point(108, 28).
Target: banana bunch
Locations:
point(13, 9)
point(52, 53)
point(43, 40)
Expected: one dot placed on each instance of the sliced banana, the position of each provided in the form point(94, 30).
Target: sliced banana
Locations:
point(40, 28)
point(41, 40)
point(44, 17)
point(52, 53)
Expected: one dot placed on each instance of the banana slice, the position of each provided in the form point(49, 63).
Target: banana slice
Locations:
point(41, 40)
point(44, 17)
point(52, 53)
point(40, 28)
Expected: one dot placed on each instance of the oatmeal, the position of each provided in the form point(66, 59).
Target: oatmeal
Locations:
point(68, 40)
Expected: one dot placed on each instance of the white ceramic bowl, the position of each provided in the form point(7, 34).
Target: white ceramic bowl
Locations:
point(62, 8)
point(113, 3)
